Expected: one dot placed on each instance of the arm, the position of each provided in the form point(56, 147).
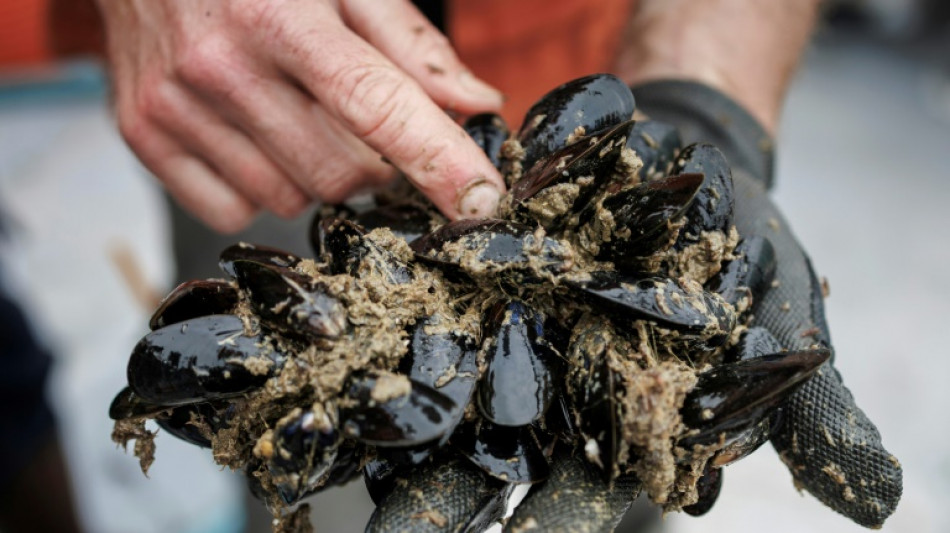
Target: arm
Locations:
point(746, 49)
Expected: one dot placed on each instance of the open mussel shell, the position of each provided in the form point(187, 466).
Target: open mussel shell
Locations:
point(489, 132)
point(408, 221)
point(732, 397)
point(347, 250)
point(586, 166)
point(290, 302)
point(508, 453)
point(486, 248)
point(256, 253)
point(643, 217)
point(656, 144)
point(199, 359)
point(520, 380)
point(385, 409)
point(195, 298)
point(664, 301)
point(713, 205)
point(583, 106)
point(752, 270)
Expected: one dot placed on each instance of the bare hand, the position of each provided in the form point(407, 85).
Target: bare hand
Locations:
point(238, 105)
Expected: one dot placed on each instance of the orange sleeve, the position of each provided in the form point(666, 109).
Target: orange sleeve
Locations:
point(527, 47)
point(38, 31)
point(23, 33)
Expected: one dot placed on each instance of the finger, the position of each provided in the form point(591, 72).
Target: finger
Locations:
point(404, 35)
point(822, 423)
point(196, 187)
point(575, 498)
point(318, 154)
point(450, 495)
point(232, 154)
point(390, 112)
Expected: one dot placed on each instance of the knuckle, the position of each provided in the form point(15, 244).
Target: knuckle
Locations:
point(155, 101)
point(204, 63)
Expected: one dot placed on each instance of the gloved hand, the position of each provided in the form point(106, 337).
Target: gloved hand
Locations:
point(827, 442)
point(833, 450)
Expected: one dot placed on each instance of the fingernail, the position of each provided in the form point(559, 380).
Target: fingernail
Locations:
point(480, 201)
point(479, 88)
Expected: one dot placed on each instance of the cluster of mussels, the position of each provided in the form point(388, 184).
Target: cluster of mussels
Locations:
point(606, 310)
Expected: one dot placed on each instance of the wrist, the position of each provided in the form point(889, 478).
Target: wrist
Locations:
point(746, 49)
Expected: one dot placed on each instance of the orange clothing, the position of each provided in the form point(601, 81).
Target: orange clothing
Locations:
point(37, 31)
point(527, 47)
point(23, 31)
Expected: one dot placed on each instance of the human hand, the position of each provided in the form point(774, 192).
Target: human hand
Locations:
point(242, 105)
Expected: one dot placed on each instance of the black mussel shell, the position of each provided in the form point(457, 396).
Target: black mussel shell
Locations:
point(583, 106)
point(732, 397)
point(127, 404)
point(753, 270)
point(379, 475)
point(743, 443)
point(317, 235)
point(195, 298)
point(520, 380)
point(291, 303)
point(408, 221)
point(709, 486)
point(559, 421)
point(199, 359)
point(510, 454)
point(444, 358)
point(643, 217)
point(256, 253)
point(410, 455)
point(489, 132)
point(712, 208)
point(656, 144)
point(341, 244)
point(389, 410)
point(664, 301)
point(489, 248)
point(588, 165)
point(180, 421)
point(305, 446)
point(593, 389)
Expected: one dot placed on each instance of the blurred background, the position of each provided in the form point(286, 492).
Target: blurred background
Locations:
point(90, 243)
